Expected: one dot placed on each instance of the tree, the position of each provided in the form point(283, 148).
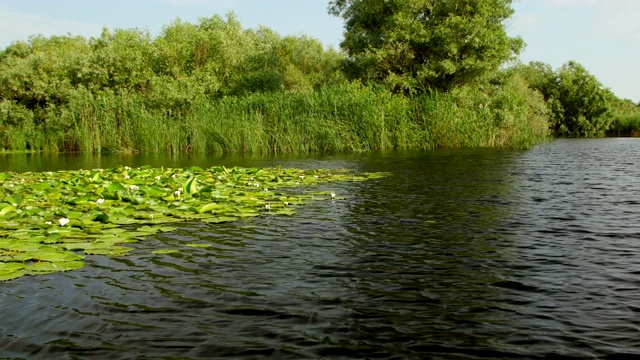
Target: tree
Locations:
point(585, 101)
point(414, 45)
point(579, 104)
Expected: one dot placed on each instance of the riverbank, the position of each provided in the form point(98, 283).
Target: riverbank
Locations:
point(348, 117)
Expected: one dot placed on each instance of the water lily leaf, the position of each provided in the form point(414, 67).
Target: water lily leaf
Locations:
point(10, 267)
point(165, 228)
point(114, 187)
point(5, 209)
point(102, 217)
point(52, 238)
point(50, 267)
point(111, 251)
point(112, 195)
point(165, 251)
point(146, 228)
point(79, 200)
point(57, 256)
point(14, 199)
point(74, 214)
point(220, 219)
point(209, 208)
point(153, 191)
point(246, 212)
point(46, 217)
point(24, 246)
point(75, 246)
point(285, 211)
point(199, 245)
point(169, 198)
point(10, 275)
point(95, 177)
point(191, 186)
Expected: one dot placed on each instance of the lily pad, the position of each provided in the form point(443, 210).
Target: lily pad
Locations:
point(165, 251)
point(49, 220)
point(199, 245)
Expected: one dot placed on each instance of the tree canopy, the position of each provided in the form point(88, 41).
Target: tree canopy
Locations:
point(580, 105)
point(414, 45)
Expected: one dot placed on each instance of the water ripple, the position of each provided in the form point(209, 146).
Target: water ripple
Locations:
point(460, 255)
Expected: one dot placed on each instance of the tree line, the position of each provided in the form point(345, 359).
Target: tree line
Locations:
point(442, 73)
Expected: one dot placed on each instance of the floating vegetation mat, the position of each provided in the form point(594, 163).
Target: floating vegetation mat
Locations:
point(49, 221)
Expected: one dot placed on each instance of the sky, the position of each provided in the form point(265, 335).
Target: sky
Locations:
point(601, 35)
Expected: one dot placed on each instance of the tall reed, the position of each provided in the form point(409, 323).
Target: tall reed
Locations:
point(341, 118)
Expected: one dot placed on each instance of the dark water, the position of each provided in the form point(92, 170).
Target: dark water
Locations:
point(460, 254)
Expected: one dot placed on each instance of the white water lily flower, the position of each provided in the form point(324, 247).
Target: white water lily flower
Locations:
point(177, 193)
point(256, 185)
point(150, 216)
point(266, 190)
point(286, 203)
point(63, 221)
point(333, 195)
point(302, 177)
point(134, 188)
point(158, 177)
point(100, 201)
point(315, 176)
point(267, 207)
point(127, 177)
point(48, 223)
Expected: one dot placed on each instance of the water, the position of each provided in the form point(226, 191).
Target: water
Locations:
point(460, 254)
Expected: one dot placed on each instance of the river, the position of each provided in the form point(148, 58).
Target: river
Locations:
point(460, 254)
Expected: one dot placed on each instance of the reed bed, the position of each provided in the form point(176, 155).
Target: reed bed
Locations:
point(342, 118)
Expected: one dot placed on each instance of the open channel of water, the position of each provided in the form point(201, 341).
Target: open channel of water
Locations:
point(459, 254)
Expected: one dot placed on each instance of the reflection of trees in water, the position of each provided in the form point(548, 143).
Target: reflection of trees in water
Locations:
point(427, 249)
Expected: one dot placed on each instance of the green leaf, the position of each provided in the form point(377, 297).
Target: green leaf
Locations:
point(6, 208)
point(191, 186)
point(165, 251)
point(199, 245)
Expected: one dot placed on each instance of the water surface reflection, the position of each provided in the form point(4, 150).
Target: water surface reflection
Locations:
point(460, 254)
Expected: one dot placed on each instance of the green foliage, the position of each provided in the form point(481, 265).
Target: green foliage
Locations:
point(580, 105)
point(46, 218)
point(42, 72)
point(414, 45)
point(626, 118)
point(214, 86)
point(501, 113)
point(119, 61)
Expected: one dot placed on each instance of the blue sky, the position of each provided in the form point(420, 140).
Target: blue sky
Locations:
point(602, 35)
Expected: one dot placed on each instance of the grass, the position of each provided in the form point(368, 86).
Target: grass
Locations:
point(342, 118)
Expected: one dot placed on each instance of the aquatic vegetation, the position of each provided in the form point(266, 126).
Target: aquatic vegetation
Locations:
point(50, 221)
